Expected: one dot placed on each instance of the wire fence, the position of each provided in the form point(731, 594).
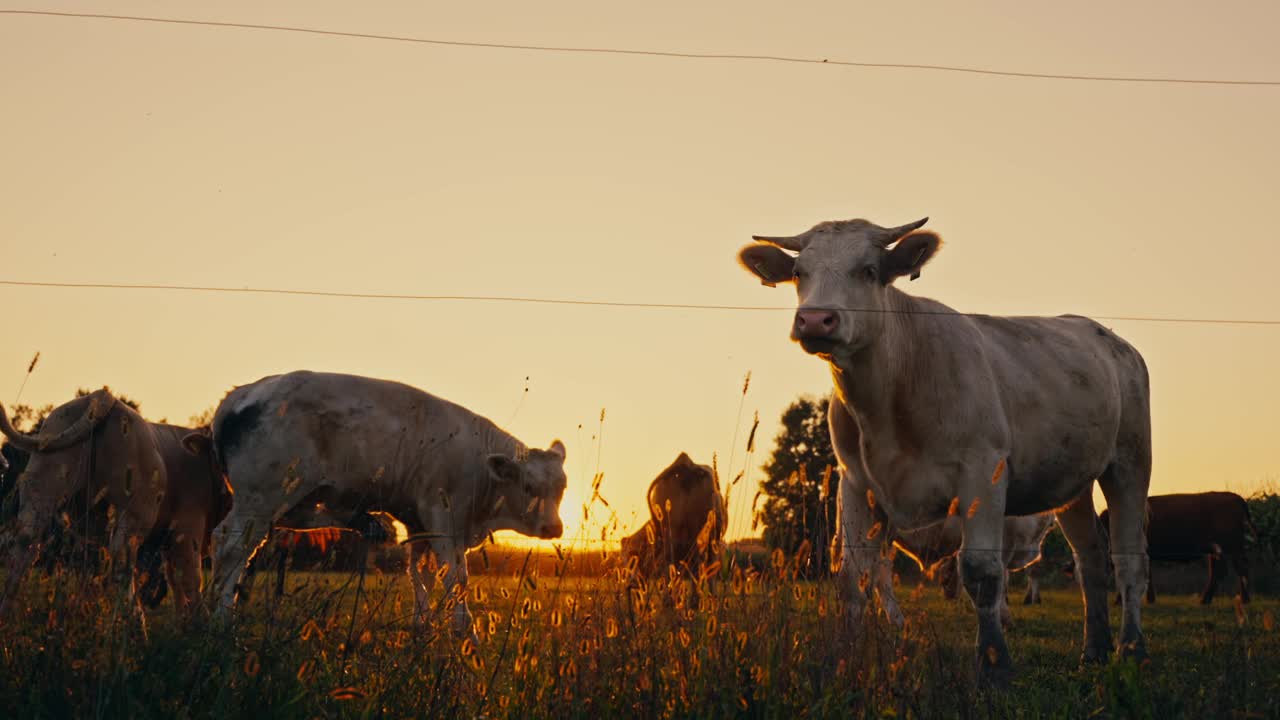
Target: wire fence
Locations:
point(645, 305)
point(667, 54)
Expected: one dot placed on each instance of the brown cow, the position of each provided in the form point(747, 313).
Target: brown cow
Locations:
point(305, 538)
point(687, 523)
point(167, 491)
point(1188, 526)
point(197, 499)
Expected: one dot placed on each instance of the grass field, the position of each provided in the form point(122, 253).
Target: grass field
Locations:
point(756, 645)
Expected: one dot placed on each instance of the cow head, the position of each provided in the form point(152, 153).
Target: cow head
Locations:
point(199, 443)
point(528, 491)
point(842, 271)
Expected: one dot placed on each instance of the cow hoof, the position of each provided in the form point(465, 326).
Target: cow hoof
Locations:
point(1134, 650)
point(1095, 656)
point(995, 676)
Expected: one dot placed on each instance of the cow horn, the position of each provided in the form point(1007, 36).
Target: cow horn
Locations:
point(72, 434)
point(794, 243)
point(17, 438)
point(888, 236)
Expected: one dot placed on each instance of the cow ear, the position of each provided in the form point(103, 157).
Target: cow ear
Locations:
point(771, 264)
point(503, 469)
point(557, 448)
point(196, 443)
point(909, 255)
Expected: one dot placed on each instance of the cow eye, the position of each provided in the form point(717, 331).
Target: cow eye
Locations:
point(799, 274)
point(871, 272)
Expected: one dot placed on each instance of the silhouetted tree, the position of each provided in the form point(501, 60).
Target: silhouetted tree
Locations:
point(800, 484)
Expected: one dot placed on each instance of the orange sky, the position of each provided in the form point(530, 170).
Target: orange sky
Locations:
point(142, 153)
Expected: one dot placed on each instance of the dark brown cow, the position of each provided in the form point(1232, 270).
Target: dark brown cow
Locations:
point(305, 539)
point(687, 520)
point(197, 499)
point(1190, 526)
point(167, 497)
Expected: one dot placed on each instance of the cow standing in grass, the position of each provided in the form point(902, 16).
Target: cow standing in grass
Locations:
point(687, 520)
point(93, 445)
point(161, 479)
point(937, 413)
point(934, 548)
point(356, 444)
point(1186, 527)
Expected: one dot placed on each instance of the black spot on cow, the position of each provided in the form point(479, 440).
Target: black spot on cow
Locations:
point(233, 429)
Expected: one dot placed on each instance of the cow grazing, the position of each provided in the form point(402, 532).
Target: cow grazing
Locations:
point(1186, 527)
point(162, 480)
point(93, 445)
point(938, 412)
point(357, 444)
point(687, 520)
point(196, 500)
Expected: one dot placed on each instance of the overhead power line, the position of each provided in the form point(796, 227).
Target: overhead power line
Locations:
point(682, 55)
point(571, 301)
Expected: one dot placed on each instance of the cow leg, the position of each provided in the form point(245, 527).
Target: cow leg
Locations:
point(1006, 617)
point(1079, 524)
point(282, 567)
point(863, 567)
point(982, 571)
point(183, 570)
point(416, 555)
point(455, 586)
point(863, 564)
point(1240, 563)
point(1216, 571)
point(123, 548)
point(1033, 585)
point(948, 577)
point(1125, 485)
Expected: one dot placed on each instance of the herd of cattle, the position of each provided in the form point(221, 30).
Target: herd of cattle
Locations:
point(959, 438)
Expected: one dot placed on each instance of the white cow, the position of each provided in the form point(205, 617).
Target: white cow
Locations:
point(938, 412)
point(1023, 537)
point(357, 444)
point(934, 549)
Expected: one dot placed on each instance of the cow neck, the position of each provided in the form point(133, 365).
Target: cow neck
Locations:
point(492, 440)
point(876, 384)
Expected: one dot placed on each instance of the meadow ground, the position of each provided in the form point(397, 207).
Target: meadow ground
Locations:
point(749, 645)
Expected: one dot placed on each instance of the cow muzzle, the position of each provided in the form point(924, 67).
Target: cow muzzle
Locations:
point(551, 531)
point(815, 330)
point(815, 324)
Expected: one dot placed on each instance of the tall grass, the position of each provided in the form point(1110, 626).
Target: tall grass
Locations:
point(562, 640)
